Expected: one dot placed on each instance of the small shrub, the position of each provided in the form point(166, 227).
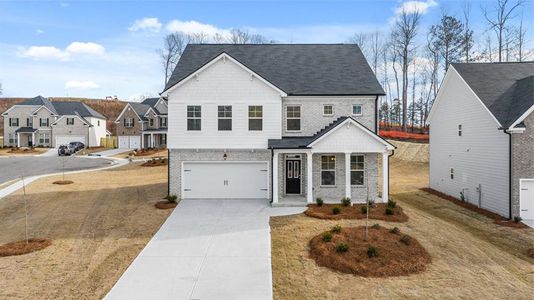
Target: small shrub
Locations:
point(336, 210)
point(376, 226)
point(392, 203)
point(364, 209)
point(172, 198)
point(518, 219)
point(389, 211)
point(406, 240)
point(336, 229)
point(327, 237)
point(342, 247)
point(319, 202)
point(372, 251)
point(345, 201)
point(394, 230)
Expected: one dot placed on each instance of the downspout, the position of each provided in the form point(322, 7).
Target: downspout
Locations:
point(509, 172)
point(389, 175)
point(272, 175)
point(377, 117)
point(169, 172)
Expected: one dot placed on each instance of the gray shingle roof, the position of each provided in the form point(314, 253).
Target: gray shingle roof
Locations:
point(76, 108)
point(297, 69)
point(39, 100)
point(152, 103)
point(507, 89)
point(25, 130)
point(140, 109)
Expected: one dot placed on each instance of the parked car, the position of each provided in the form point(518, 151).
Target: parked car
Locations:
point(77, 146)
point(64, 150)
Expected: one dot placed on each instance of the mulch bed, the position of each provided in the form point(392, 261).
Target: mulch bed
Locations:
point(376, 212)
point(145, 152)
point(394, 258)
point(22, 150)
point(63, 182)
point(530, 252)
point(164, 204)
point(497, 219)
point(21, 247)
point(155, 163)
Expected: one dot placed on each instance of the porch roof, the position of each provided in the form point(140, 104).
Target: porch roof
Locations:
point(300, 142)
point(26, 130)
point(156, 130)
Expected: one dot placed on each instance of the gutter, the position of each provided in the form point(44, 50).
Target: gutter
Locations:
point(389, 175)
point(272, 176)
point(510, 181)
point(377, 117)
point(168, 171)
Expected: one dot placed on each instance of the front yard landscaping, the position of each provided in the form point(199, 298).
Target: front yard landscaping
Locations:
point(22, 151)
point(472, 257)
point(96, 226)
point(377, 211)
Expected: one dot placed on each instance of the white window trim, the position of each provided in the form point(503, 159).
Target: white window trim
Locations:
point(68, 118)
point(328, 115)
point(226, 118)
point(329, 170)
point(41, 123)
point(192, 118)
point(351, 169)
point(129, 123)
point(44, 138)
point(11, 124)
point(361, 109)
point(162, 122)
point(293, 118)
point(254, 118)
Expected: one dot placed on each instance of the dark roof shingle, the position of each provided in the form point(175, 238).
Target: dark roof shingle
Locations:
point(297, 69)
point(76, 108)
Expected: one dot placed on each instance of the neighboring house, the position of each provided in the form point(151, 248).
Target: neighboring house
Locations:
point(289, 123)
point(40, 122)
point(482, 137)
point(143, 125)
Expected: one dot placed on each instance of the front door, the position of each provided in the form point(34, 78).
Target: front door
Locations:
point(293, 176)
point(30, 141)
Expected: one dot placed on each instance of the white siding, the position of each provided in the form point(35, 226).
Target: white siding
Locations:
point(479, 156)
point(349, 138)
point(223, 83)
point(96, 132)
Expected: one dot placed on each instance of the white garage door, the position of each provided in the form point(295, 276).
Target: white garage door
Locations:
point(65, 139)
point(129, 142)
point(527, 199)
point(225, 180)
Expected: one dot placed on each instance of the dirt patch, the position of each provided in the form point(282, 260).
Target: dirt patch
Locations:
point(164, 204)
point(391, 258)
point(156, 163)
point(530, 252)
point(376, 212)
point(410, 151)
point(24, 247)
point(497, 219)
point(63, 182)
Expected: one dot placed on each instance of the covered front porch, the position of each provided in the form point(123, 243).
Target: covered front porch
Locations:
point(154, 139)
point(26, 136)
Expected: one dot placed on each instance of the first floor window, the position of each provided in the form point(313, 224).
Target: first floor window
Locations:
point(328, 110)
point(293, 118)
point(194, 114)
point(460, 130)
point(357, 109)
point(43, 122)
point(164, 139)
point(357, 167)
point(255, 118)
point(70, 121)
point(328, 170)
point(13, 138)
point(14, 122)
point(225, 117)
point(29, 122)
point(44, 138)
point(128, 122)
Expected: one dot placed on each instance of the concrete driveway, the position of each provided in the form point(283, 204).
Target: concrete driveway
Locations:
point(207, 249)
point(15, 167)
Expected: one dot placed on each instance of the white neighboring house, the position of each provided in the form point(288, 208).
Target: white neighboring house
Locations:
point(289, 123)
point(482, 137)
point(41, 122)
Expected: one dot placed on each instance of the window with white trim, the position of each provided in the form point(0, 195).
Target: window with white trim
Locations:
point(13, 138)
point(224, 113)
point(44, 138)
point(70, 121)
point(255, 118)
point(128, 122)
point(29, 122)
point(14, 122)
point(151, 122)
point(293, 118)
point(357, 169)
point(194, 114)
point(356, 109)
point(328, 110)
point(460, 130)
point(163, 121)
point(43, 122)
point(328, 170)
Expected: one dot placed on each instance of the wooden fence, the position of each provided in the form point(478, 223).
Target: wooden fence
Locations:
point(109, 142)
point(1, 141)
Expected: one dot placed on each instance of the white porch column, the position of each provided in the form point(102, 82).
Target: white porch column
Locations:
point(142, 141)
point(33, 139)
point(275, 187)
point(309, 177)
point(347, 175)
point(152, 140)
point(18, 140)
point(385, 176)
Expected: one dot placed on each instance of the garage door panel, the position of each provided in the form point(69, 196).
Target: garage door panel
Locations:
point(229, 180)
point(129, 142)
point(527, 199)
point(66, 139)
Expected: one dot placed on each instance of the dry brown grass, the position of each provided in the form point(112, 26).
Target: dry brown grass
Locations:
point(471, 256)
point(98, 226)
point(376, 212)
point(24, 247)
point(22, 151)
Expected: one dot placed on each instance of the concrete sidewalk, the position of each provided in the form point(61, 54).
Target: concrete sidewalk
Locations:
point(207, 249)
point(110, 152)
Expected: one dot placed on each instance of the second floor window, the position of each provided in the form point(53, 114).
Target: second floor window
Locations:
point(128, 122)
point(70, 121)
point(357, 109)
point(43, 122)
point(255, 118)
point(163, 122)
point(460, 130)
point(328, 110)
point(151, 122)
point(194, 114)
point(29, 122)
point(14, 122)
point(224, 113)
point(293, 118)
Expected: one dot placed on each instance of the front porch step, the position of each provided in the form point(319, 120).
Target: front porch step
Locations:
point(289, 204)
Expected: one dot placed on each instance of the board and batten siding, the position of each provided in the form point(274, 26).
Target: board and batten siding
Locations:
point(223, 83)
point(479, 156)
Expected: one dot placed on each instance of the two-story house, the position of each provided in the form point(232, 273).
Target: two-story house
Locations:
point(482, 137)
point(143, 125)
point(40, 122)
point(289, 123)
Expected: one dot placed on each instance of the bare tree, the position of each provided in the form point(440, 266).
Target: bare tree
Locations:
point(403, 36)
point(520, 33)
point(467, 35)
point(498, 20)
point(360, 39)
point(173, 47)
point(238, 36)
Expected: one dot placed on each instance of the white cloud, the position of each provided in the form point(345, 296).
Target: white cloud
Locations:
point(39, 31)
point(192, 27)
point(151, 24)
point(64, 4)
point(411, 7)
point(85, 48)
point(84, 85)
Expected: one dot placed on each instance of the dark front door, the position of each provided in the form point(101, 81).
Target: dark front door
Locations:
point(293, 176)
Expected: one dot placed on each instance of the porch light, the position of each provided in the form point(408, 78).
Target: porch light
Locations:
point(225, 156)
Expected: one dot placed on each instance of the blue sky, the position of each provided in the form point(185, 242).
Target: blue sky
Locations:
point(101, 48)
